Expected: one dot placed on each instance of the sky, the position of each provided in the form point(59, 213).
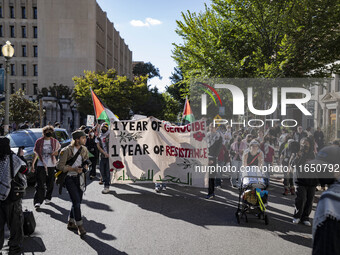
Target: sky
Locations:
point(148, 28)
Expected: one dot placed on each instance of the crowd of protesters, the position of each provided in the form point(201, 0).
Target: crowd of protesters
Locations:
point(227, 146)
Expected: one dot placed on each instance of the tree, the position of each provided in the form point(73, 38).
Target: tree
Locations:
point(178, 90)
point(143, 69)
point(21, 109)
point(267, 39)
point(59, 91)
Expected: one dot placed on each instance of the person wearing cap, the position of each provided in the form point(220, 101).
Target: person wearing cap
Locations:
point(305, 183)
point(326, 224)
point(46, 149)
point(75, 179)
point(103, 147)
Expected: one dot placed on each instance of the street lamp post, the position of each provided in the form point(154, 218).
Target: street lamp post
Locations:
point(7, 52)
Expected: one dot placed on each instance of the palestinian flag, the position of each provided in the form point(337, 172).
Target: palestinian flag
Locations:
point(188, 116)
point(102, 112)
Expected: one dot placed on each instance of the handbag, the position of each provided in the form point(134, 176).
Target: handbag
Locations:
point(29, 223)
point(60, 176)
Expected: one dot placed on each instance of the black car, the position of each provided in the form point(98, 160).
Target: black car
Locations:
point(27, 137)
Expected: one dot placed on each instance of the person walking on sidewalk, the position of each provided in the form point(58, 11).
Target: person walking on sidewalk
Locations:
point(71, 161)
point(92, 148)
point(45, 151)
point(103, 146)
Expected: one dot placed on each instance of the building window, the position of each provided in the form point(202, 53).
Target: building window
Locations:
point(12, 69)
point(23, 12)
point(23, 31)
point(35, 51)
point(1, 50)
point(1, 31)
point(35, 32)
point(35, 70)
point(23, 87)
point(1, 65)
point(35, 13)
point(24, 51)
point(12, 31)
point(35, 89)
point(0, 11)
point(12, 88)
point(24, 70)
point(11, 12)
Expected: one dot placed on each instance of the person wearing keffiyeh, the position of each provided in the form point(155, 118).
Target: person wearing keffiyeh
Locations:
point(10, 206)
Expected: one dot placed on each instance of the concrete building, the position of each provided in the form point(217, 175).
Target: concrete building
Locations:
point(54, 41)
point(325, 105)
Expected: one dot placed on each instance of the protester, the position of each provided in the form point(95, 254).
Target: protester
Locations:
point(319, 138)
point(247, 140)
point(283, 137)
point(268, 153)
point(103, 147)
point(46, 149)
point(305, 184)
point(299, 134)
point(214, 140)
point(91, 145)
point(253, 157)
point(288, 183)
point(260, 136)
point(24, 126)
point(236, 152)
point(57, 124)
point(71, 161)
point(326, 224)
point(10, 199)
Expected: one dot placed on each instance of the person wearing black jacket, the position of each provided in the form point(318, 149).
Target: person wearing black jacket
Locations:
point(326, 224)
point(92, 148)
point(12, 187)
point(214, 147)
point(305, 182)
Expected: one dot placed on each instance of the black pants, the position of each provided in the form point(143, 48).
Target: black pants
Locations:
point(11, 213)
point(93, 166)
point(212, 176)
point(76, 194)
point(44, 185)
point(304, 202)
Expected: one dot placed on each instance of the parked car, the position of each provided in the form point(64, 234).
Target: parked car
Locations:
point(26, 138)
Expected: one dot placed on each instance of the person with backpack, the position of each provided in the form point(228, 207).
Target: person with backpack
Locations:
point(72, 162)
point(103, 147)
point(46, 149)
point(12, 186)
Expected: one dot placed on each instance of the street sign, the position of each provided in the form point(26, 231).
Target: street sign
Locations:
point(2, 80)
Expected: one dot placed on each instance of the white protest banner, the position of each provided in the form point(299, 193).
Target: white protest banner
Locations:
point(150, 150)
point(90, 121)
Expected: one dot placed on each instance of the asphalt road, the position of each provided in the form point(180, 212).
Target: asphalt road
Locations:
point(133, 219)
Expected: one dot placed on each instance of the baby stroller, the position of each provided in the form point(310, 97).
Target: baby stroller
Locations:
point(253, 196)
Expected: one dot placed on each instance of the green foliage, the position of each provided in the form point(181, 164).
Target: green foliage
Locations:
point(262, 39)
point(21, 109)
point(171, 108)
point(143, 69)
point(58, 91)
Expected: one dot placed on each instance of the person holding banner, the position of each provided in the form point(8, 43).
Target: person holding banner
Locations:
point(103, 147)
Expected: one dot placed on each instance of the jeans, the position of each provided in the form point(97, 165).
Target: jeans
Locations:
point(45, 184)
point(93, 166)
point(288, 180)
point(11, 213)
point(267, 173)
point(105, 171)
point(160, 185)
point(304, 202)
point(235, 172)
point(76, 194)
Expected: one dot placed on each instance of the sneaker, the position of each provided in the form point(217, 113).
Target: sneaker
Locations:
point(47, 201)
point(158, 189)
point(164, 187)
point(210, 196)
point(105, 191)
point(81, 231)
point(286, 192)
point(292, 191)
point(92, 177)
point(306, 223)
point(101, 182)
point(71, 226)
point(296, 221)
point(37, 205)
